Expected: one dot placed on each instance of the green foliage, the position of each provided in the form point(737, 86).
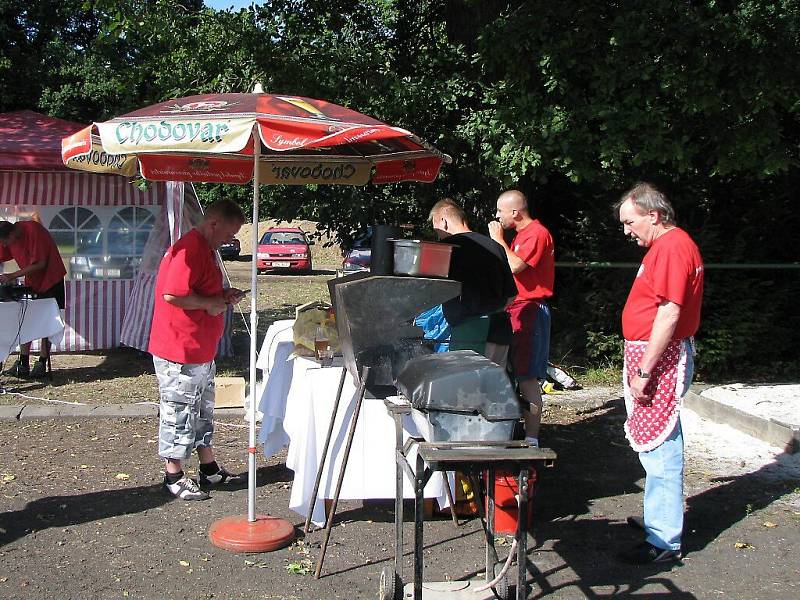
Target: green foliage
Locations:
point(605, 348)
point(571, 102)
point(750, 334)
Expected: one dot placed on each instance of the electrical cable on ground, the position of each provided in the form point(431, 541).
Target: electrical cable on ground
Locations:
point(21, 395)
point(504, 570)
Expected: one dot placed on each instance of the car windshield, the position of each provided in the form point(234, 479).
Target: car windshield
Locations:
point(283, 237)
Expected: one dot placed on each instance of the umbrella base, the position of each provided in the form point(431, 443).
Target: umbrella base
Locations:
point(237, 534)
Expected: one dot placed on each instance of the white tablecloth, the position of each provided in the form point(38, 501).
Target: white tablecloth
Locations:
point(28, 320)
point(297, 400)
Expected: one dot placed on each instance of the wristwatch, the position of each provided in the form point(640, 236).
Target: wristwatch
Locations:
point(642, 374)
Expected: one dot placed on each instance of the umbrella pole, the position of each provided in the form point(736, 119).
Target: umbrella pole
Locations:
point(256, 533)
point(251, 450)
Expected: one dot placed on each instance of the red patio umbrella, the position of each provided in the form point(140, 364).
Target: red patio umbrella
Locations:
point(210, 138)
point(267, 138)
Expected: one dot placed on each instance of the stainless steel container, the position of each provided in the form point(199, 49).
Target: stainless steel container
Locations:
point(421, 259)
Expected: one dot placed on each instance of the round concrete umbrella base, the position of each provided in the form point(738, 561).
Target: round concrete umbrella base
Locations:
point(237, 534)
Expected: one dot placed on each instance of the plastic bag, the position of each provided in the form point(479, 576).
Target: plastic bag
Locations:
point(435, 327)
point(313, 320)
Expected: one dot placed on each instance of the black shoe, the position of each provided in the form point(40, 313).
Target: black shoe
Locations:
point(40, 370)
point(220, 477)
point(645, 553)
point(185, 489)
point(19, 369)
point(635, 523)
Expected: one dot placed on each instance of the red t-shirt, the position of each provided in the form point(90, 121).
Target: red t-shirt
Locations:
point(34, 245)
point(534, 245)
point(671, 270)
point(180, 335)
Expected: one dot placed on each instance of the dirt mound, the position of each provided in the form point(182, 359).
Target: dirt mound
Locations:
point(320, 253)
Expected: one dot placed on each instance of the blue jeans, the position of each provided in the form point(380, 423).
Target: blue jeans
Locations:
point(663, 486)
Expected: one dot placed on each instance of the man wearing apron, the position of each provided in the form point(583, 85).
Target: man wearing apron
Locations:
point(659, 320)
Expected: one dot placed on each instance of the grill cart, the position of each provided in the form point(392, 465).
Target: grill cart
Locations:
point(469, 407)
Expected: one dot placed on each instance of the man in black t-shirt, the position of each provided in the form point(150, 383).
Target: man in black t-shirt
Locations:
point(487, 284)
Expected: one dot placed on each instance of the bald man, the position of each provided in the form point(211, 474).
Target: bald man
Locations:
point(531, 257)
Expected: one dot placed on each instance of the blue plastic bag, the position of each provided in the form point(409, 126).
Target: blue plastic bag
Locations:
point(435, 327)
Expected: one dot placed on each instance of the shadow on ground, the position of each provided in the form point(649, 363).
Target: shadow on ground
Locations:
point(580, 509)
point(67, 511)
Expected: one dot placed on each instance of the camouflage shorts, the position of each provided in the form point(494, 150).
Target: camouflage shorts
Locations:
point(187, 407)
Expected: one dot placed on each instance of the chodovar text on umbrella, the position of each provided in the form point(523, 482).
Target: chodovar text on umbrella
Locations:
point(318, 172)
point(100, 158)
point(190, 131)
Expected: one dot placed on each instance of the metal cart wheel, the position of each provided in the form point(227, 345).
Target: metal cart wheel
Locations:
point(391, 588)
point(501, 587)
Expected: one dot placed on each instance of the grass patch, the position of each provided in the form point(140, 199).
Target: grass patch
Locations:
point(601, 376)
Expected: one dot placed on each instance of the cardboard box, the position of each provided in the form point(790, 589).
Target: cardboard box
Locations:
point(229, 392)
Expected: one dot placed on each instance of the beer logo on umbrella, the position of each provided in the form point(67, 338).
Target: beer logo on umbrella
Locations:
point(198, 163)
point(303, 105)
point(205, 106)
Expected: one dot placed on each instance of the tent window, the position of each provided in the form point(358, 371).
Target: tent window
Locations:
point(78, 234)
point(96, 252)
point(128, 231)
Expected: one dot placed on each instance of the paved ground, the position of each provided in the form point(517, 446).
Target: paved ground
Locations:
point(83, 516)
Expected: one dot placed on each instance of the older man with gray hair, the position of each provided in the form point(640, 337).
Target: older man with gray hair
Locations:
point(659, 320)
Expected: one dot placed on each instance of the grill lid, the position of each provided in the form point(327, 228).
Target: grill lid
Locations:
point(461, 381)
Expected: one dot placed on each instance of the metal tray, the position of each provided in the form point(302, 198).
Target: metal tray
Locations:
point(421, 259)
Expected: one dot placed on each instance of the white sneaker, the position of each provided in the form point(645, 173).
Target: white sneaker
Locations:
point(185, 489)
point(221, 476)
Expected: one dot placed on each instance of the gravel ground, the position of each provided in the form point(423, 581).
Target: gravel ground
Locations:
point(83, 516)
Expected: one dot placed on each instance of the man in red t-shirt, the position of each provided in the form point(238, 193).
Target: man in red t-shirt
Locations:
point(531, 257)
point(660, 317)
point(188, 321)
point(36, 254)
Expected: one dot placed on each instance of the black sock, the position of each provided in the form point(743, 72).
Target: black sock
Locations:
point(209, 468)
point(173, 477)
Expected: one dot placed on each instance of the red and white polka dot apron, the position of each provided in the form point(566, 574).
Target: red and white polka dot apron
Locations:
point(648, 426)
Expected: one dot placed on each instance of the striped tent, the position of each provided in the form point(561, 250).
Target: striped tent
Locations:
point(105, 306)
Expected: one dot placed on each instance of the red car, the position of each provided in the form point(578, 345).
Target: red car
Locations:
point(284, 249)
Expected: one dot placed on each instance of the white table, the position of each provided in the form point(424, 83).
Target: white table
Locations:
point(24, 321)
point(297, 401)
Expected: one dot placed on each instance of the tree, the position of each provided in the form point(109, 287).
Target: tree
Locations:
point(571, 102)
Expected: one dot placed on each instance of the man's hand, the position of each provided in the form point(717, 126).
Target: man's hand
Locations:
point(496, 232)
point(216, 305)
point(233, 295)
point(636, 386)
point(213, 305)
point(6, 277)
point(498, 235)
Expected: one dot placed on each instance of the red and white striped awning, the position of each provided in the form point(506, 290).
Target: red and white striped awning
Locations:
point(74, 189)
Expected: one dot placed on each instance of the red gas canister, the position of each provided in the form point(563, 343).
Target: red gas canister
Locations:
point(506, 488)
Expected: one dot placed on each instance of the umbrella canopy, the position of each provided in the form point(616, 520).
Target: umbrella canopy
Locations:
point(210, 138)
